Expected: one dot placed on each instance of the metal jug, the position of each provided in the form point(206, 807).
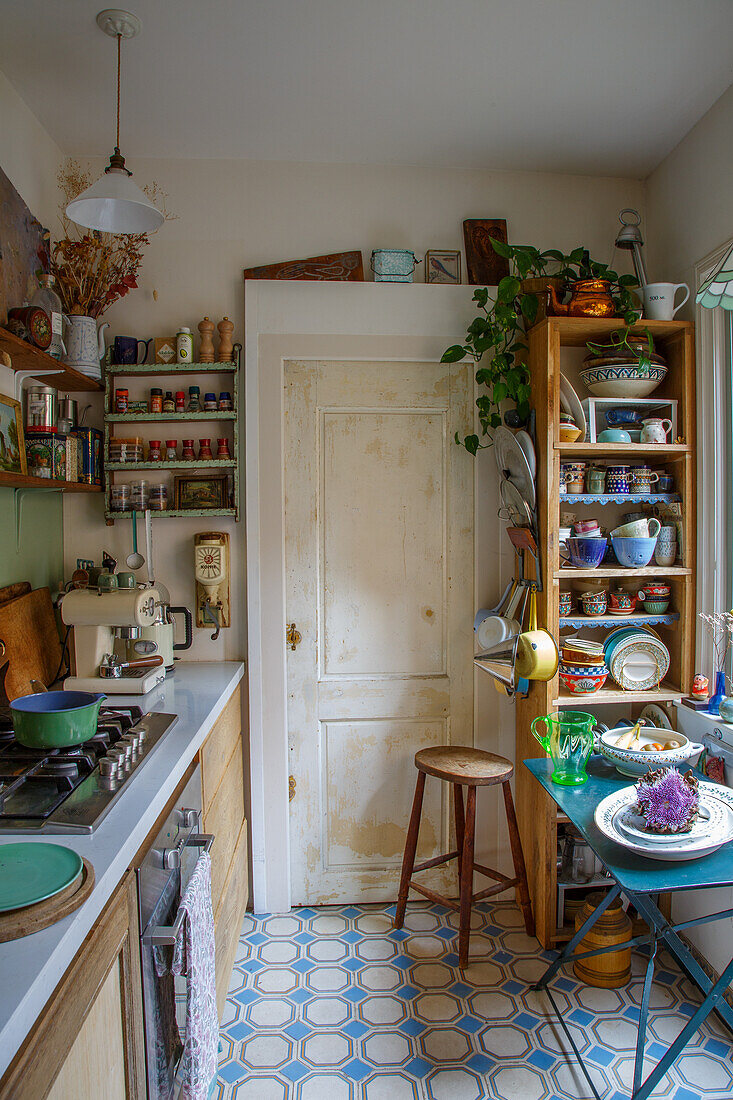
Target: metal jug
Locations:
point(568, 743)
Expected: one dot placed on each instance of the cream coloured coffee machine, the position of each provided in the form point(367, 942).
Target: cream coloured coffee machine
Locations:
point(101, 621)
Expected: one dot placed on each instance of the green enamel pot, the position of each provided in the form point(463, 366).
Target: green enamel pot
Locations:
point(55, 719)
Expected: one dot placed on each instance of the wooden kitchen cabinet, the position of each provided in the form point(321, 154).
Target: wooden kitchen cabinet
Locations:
point(89, 1040)
point(222, 769)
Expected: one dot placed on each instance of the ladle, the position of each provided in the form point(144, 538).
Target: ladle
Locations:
point(134, 560)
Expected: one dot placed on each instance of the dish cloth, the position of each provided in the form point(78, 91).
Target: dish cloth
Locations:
point(194, 958)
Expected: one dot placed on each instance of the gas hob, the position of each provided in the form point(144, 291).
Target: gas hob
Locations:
point(72, 790)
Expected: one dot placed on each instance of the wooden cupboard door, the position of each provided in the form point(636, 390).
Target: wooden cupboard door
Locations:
point(95, 1065)
point(379, 557)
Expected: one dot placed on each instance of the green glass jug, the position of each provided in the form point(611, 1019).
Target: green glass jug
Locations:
point(568, 742)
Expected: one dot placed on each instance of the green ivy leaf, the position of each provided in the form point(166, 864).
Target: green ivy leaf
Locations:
point(495, 420)
point(508, 289)
point(471, 443)
point(501, 391)
point(454, 354)
point(481, 296)
point(529, 304)
point(500, 248)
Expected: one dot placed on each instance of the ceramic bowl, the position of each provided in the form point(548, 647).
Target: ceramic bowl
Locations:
point(636, 762)
point(594, 603)
point(656, 607)
point(622, 380)
point(584, 683)
point(566, 603)
point(587, 553)
point(633, 553)
point(614, 435)
point(638, 529)
point(581, 652)
point(569, 433)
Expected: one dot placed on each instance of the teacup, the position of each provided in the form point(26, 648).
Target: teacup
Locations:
point(666, 555)
point(586, 553)
point(659, 300)
point(618, 479)
point(595, 479)
point(642, 479)
point(633, 553)
point(566, 603)
point(647, 528)
point(594, 603)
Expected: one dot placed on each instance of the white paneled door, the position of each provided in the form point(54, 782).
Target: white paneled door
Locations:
point(379, 583)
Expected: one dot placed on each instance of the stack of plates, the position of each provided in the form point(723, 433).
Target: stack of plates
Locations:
point(616, 819)
point(636, 658)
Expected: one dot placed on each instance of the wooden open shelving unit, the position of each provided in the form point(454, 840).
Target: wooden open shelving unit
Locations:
point(550, 353)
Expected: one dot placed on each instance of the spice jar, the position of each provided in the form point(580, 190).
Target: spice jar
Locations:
point(222, 448)
point(120, 495)
point(154, 454)
point(225, 401)
point(194, 399)
point(184, 345)
point(180, 401)
point(205, 448)
point(210, 402)
point(171, 452)
point(156, 401)
point(169, 404)
point(121, 399)
point(139, 495)
point(187, 451)
point(158, 500)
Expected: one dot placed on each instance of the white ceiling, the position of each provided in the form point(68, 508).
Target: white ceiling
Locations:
point(606, 87)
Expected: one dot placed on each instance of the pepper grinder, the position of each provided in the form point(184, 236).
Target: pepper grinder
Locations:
point(206, 351)
point(226, 347)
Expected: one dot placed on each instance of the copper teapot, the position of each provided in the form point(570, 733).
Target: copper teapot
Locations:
point(588, 298)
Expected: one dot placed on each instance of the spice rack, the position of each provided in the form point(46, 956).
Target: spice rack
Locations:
point(555, 345)
point(166, 374)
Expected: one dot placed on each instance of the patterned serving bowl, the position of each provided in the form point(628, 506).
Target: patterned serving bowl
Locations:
point(578, 651)
point(622, 380)
point(582, 680)
point(655, 607)
point(636, 762)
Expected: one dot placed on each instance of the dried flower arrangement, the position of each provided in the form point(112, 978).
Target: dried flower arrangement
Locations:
point(719, 626)
point(668, 801)
point(94, 269)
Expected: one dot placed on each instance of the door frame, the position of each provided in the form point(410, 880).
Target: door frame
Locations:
point(305, 320)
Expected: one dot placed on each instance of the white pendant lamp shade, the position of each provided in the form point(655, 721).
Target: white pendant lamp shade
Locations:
point(717, 290)
point(114, 204)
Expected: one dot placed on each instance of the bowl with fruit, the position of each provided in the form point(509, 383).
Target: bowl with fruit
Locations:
point(634, 749)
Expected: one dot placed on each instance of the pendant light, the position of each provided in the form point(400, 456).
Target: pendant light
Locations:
point(114, 204)
point(629, 238)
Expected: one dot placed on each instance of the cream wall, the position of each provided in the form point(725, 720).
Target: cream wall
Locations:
point(232, 215)
point(29, 158)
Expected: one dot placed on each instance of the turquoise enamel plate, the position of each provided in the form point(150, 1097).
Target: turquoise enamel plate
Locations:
point(31, 872)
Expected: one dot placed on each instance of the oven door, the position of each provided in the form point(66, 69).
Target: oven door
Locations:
point(163, 877)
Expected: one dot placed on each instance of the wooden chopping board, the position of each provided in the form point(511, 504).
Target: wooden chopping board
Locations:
point(31, 918)
point(32, 644)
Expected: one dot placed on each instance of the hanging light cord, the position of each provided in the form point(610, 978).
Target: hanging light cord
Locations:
point(119, 42)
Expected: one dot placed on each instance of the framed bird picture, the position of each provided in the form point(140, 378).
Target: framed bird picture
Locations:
point(442, 266)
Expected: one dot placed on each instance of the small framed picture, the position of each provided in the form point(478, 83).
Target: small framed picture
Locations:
point(442, 266)
point(12, 443)
point(200, 491)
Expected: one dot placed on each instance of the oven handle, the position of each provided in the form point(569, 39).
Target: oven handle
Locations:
point(166, 935)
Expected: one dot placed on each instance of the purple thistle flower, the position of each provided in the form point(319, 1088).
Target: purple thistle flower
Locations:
point(667, 801)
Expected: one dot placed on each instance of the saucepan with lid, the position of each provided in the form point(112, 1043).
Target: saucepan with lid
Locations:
point(55, 719)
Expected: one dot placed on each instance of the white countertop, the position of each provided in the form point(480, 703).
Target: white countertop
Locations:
point(30, 968)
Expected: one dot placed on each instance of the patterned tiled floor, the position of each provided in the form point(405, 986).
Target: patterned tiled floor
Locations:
point(334, 1004)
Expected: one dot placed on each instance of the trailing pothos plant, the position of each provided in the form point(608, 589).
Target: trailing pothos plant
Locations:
point(496, 339)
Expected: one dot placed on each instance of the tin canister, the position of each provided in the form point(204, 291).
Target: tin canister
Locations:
point(393, 265)
point(41, 409)
point(89, 455)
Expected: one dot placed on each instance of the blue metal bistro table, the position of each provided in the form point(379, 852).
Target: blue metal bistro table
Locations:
point(640, 880)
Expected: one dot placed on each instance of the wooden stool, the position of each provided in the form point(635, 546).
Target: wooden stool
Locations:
point(464, 767)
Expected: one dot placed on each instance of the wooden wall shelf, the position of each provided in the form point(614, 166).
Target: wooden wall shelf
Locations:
point(25, 357)
point(26, 481)
point(548, 341)
point(169, 370)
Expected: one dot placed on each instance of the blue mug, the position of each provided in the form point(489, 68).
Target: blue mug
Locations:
point(586, 553)
point(633, 553)
point(125, 350)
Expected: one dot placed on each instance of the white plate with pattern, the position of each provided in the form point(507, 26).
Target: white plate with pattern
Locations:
point(607, 820)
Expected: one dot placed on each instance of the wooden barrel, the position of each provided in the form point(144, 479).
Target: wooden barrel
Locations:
point(612, 969)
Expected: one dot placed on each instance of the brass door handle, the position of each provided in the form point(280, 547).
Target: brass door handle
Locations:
point(292, 636)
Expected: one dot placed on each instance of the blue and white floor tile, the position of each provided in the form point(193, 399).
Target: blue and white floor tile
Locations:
point(335, 1004)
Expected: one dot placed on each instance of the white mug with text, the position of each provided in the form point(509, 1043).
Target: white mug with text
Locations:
point(659, 300)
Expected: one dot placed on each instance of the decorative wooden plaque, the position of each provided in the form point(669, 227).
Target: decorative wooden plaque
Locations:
point(339, 267)
point(485, 267)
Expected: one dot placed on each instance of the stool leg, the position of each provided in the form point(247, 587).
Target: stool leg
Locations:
point(460, 823)
point(408, 860)
point(464, 925)
point(518, 857)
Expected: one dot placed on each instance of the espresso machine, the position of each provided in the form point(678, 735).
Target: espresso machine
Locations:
point(106, 623)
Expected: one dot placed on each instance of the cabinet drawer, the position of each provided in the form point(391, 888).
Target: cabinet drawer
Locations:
point(219, 746)
point(224, 819)
point(228, 918)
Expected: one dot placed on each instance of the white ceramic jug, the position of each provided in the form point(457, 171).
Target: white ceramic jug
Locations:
point(655, 430)
point(84, 345)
